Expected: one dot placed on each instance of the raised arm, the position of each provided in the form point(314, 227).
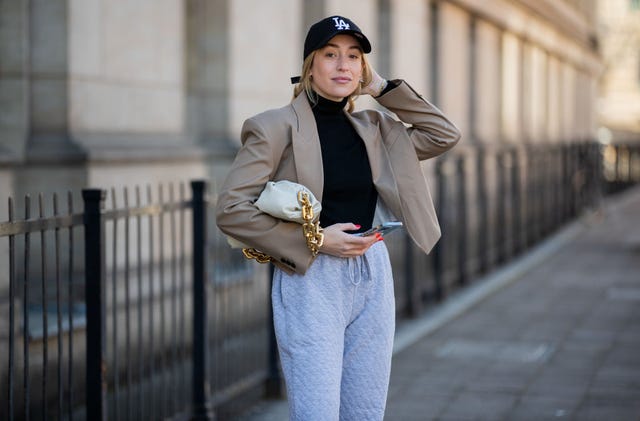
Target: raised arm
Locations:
point(430, 131)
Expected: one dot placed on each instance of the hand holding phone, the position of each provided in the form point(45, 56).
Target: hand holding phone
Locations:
point(383, 229)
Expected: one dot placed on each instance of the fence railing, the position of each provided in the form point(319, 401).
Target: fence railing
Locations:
point(112, 313)
point(135, 308)
point(621, 166)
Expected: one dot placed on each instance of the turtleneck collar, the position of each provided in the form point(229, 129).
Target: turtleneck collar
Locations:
point(326, 106)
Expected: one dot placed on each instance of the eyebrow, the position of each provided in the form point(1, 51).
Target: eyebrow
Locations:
point(337, 46)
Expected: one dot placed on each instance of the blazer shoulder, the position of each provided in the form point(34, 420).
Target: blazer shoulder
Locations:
point(273, 126)
point(276, 116)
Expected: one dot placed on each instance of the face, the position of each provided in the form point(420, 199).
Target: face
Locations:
point(337, 68)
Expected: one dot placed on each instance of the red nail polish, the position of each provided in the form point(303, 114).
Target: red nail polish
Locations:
point(357, 226)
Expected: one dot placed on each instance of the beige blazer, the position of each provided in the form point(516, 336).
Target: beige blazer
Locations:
point(283, 144)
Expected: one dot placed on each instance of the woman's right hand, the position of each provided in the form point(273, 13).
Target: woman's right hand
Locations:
point(341, 244)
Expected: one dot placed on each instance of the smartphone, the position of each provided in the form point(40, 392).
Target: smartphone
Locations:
point(383, 229)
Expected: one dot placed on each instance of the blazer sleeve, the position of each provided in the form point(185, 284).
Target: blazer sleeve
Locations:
point(430, 131)
point(236, 214)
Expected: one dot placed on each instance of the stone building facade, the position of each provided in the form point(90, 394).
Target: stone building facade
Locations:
point(116, 92)
point(619, 34)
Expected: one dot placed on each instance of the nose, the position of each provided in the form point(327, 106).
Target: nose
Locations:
point(342, 63)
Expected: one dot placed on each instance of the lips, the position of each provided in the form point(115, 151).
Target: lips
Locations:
point(341, 79)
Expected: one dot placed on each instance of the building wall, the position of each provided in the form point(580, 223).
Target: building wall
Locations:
point(98, 92)
point(619, 27)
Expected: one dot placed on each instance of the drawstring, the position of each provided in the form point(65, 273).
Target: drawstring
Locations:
point(367, 265)
point(359, 268)
point(354, 270)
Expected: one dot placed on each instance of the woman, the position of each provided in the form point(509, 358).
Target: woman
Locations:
point(334, 313)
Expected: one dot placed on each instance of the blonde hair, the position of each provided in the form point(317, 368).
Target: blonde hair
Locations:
point(305, 81)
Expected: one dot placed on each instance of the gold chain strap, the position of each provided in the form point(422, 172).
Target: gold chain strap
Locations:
point(256, 254)
point(311, 230)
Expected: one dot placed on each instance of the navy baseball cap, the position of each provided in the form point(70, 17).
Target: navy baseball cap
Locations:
point(321, 32)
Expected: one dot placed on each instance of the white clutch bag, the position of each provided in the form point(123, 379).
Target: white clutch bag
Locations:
point(280, 199)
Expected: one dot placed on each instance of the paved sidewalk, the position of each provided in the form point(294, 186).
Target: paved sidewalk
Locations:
point(554, 335)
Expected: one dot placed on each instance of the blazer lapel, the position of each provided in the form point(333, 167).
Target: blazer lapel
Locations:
point(379, 160)
point(370, 135)
point(306, 147)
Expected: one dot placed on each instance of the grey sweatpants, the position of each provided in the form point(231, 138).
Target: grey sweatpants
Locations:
point(335, 327)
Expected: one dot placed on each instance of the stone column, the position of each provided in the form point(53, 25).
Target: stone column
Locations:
point(265, 51)
point(453, 64)
point(568, 92)
point(14, 81)
point(127, 101)
point(94, 87)
point(207, 73)
point(511, 87)
point(488, 83)
point(313, 11)
point(553, 99)
point(409, 50)
point(534, 94)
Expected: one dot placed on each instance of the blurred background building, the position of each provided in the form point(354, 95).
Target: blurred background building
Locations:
point(109, 93)
point(619, 101)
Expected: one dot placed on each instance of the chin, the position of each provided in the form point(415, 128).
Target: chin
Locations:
point(342, 93)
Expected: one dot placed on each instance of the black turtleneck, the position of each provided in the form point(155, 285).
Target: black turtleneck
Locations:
point(349, 194)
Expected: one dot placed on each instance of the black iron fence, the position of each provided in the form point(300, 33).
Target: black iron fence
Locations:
point(141, 311)
point(621, 166)
point(134, 308)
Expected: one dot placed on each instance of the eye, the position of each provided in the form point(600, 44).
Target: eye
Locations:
point(354, 56)
point(330, 54)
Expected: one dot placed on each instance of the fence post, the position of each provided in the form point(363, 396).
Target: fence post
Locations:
point(516, 204)
point(273, 386)
point(501, 235)
point(483, 224)
point(438, 262)
point(462, 220)
point(201, 410)
point(413, 295)
point(96, 379)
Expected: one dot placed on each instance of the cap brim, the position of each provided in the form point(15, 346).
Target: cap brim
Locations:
point(362, 40)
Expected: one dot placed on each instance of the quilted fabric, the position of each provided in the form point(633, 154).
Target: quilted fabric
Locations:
point(335, 327)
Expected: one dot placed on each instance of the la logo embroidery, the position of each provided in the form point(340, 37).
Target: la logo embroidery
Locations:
point(341, 24)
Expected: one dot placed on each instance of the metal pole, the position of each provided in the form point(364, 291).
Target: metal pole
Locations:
point(273, 385)
point(462, 221)
point(501, 236)
point(483, 224)
point(96, 380)
point(412, 292)
point(516, 203)
point(438, 261)
point(201, 409)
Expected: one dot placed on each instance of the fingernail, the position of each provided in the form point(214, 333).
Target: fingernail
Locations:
point(378, 236)
point(357, 226)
